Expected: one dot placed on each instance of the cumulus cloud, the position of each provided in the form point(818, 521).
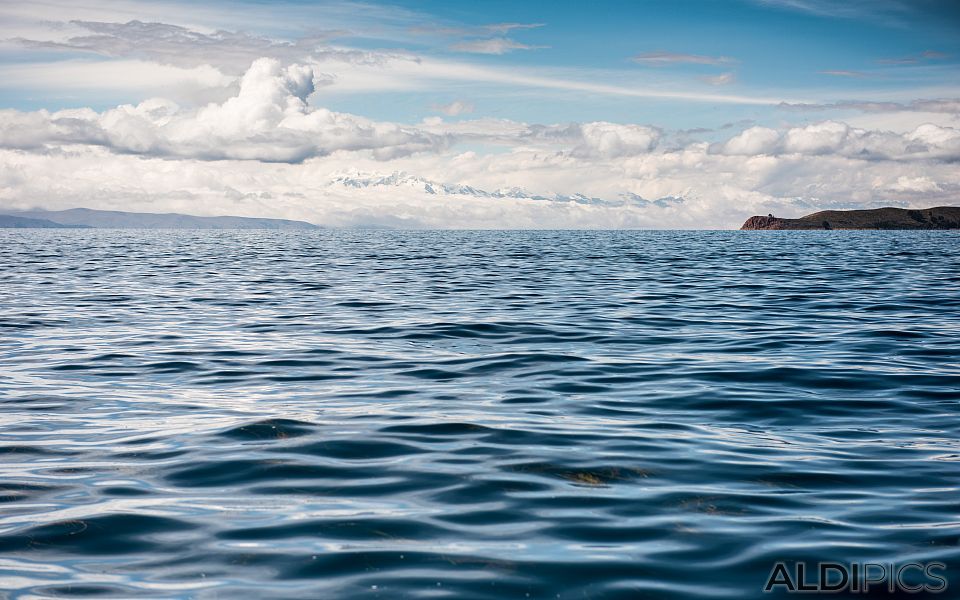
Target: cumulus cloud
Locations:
point(269, 119)
point(921, 184)
point(926, 142)
point(610, 140)
point(753, 141)
point(816, 139)
point(594, 140)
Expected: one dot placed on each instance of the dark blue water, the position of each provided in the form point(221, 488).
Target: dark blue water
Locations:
point(472, 414)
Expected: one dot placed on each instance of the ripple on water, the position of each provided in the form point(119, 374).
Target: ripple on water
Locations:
point(472, 414)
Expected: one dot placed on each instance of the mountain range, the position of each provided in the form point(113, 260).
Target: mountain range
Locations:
point(402, 180)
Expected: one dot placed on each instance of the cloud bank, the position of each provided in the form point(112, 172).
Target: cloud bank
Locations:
point(269, 150)
point(271, 119)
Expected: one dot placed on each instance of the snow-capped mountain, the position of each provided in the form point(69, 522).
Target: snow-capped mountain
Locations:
point(403, 180)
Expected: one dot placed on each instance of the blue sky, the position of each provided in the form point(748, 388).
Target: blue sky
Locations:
point(810, 50)
point(798, 103)
point(777, 49)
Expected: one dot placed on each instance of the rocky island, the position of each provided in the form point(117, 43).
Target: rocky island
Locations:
point(941, 217)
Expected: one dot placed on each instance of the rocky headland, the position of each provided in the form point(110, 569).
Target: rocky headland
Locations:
point(941, 217)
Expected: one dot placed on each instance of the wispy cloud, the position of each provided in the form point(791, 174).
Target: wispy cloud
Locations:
point(926, 56)
point(453, 109)
point(886, 12)
point(508, 27)
point(939, 105)
point(480, 39)
point(347, 71)
point(185, 47)
point(721, 79)
point(500, 45)
point(478, 30)
point(436, 70)
point(845, 73)
point(662, 58)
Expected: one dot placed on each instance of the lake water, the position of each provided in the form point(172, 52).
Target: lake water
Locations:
point(340, 414)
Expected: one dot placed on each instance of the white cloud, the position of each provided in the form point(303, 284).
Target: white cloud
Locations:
point(610, 140)
point(901, 122)
point(721, 79)
point(142, 56)
point(173, 45)
point(942, 137)
point(455, 108)
point(819, 138)
point(594, 140)
point(112, 76)
point(844, 73)
point(938, 105)
point(479, 30)
point(661, 58)
point(887, 12)
point(268, 119)
point(915, 184)
point(544, 182)
point(159, 156)
point(753, 141)
point(166, 43)
point(926, 55)
point(434, 71)
point(499, 45)
point(926, 142)
point(22, 19)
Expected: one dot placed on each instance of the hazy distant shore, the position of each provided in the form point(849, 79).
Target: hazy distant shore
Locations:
point(112, 219)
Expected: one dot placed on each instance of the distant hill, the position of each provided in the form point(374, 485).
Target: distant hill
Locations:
point(112, 219)
point(14, 222)
point(941, 217)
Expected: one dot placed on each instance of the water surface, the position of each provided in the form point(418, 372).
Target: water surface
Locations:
point(472, 414)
